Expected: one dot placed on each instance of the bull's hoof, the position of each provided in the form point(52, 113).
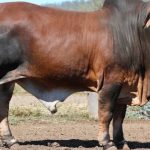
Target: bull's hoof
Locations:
point(123, 145)
point(135, 102)
point(8, 141)
point(110, 146)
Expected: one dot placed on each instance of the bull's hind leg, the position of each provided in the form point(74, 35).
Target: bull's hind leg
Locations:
point(6, 91)
point(107, 99)
point(118, 118)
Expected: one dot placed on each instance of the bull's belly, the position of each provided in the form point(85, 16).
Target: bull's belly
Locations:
point(48, 93)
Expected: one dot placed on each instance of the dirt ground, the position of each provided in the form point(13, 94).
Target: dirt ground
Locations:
point(42, 135)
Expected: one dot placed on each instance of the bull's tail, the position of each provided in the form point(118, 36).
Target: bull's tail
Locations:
point(11, 76)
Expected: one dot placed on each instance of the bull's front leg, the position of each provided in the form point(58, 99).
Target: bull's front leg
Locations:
point(6, 91)
point(118, 118)
point(107, 99)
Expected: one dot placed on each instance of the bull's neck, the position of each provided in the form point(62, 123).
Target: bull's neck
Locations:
point(127, 48)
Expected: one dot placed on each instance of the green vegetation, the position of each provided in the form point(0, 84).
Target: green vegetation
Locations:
point(133, 113)
point(65, 113)
point(139, 112)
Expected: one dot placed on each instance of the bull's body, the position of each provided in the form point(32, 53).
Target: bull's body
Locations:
point(54, 46)
point(49, 51)
point(63, 58)
point(63, 52)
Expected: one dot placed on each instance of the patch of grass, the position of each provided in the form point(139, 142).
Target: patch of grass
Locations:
point(72, 113)
point(25, 112)
point(19, 114)
point(133, 113)
point(64, 114)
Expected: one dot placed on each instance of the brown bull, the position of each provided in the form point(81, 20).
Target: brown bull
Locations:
point(49, 51)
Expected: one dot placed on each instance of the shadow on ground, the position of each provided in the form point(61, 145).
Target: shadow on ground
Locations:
point(75, 143)
point(138, 145)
